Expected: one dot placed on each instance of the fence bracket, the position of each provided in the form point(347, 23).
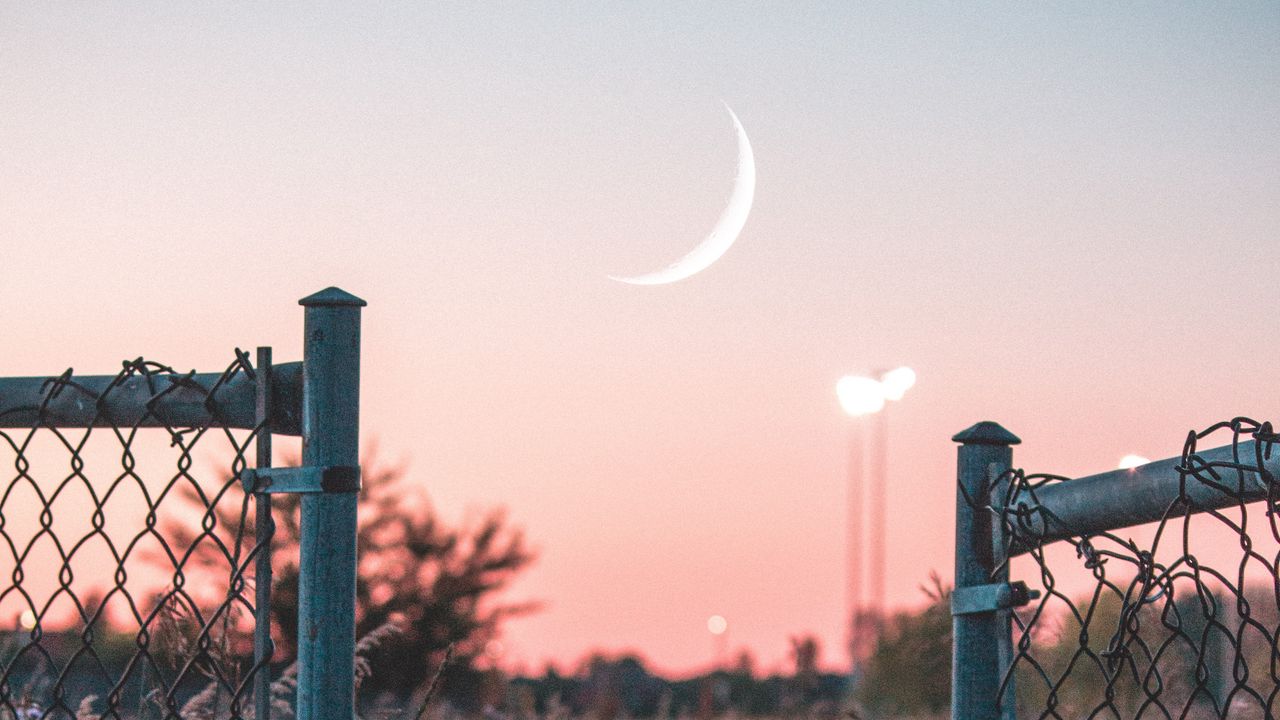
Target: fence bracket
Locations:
point(302, 480)
point(989, 598)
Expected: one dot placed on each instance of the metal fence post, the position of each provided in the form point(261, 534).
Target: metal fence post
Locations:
point(264, 535)
point(979, 638)
point(327, 572)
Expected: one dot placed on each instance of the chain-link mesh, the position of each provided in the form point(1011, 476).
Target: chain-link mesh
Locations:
point(1178, 619)
point(123, 592)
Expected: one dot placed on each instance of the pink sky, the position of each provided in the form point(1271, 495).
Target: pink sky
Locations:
point(1064, 220)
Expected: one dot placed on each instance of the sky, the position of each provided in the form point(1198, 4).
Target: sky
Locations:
point(1062, 216)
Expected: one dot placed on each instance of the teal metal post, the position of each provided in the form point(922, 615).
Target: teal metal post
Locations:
point(327, 576)
point(264, 535)
point(981, 640)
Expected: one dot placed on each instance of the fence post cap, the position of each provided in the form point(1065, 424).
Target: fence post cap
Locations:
point(332, 297)
point(986, 432)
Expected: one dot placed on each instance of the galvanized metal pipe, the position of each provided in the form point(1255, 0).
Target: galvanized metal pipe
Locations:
point(980, 646)
point(330, 437)
point(1124, 498)
point(156, 402)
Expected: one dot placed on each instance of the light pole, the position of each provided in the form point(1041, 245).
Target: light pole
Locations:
point(861, 396)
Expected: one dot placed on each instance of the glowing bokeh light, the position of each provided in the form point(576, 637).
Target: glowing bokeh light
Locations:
point(717, 625)
point(860, 395)
point(27, 620)
point(897, 382)
point(1129, 462)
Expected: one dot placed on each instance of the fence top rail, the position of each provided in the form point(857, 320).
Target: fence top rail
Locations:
point(167, 399)
point(1208, 480)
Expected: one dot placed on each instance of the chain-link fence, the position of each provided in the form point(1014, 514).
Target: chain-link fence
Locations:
point(122, 595)
point(1151, 592)
point(136, 527)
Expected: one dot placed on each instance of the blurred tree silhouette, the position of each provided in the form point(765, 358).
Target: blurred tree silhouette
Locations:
point(805, 651)
point(438, 583)
point(608, 687)
point(909, 673)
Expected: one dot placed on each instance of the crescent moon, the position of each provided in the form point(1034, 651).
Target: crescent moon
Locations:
point(726, 229)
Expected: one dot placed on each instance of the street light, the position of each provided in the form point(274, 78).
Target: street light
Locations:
point(718, 627)
point(1129, 462)
point(861, 396)
point(897, 382)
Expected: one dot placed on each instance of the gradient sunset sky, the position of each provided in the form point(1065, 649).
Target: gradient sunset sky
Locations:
point(1063, 216)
